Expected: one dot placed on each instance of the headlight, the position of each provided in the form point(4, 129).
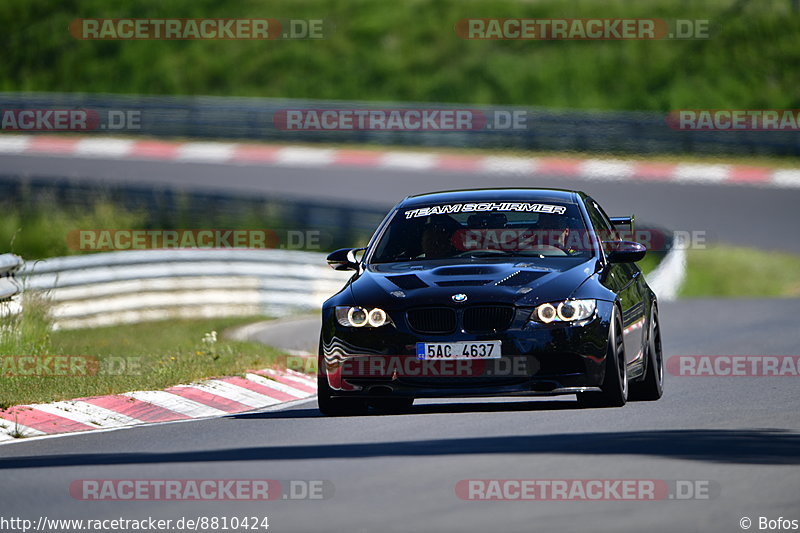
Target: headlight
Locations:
point(545, 313)
point(567, 311)
point(358, 317)
point(377, 318)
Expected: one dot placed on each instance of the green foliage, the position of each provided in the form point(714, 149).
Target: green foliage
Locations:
point(408, 51)
point(37, 231)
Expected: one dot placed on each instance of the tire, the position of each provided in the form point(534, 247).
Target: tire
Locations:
point(328, 404)
point(651, 388)
point(615, 380)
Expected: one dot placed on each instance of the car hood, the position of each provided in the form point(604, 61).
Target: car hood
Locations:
point(519, 282)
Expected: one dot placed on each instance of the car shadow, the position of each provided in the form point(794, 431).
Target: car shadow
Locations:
point(750, 446)
point(428, 408)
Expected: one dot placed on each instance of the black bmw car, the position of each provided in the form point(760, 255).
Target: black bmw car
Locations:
point(491, 292)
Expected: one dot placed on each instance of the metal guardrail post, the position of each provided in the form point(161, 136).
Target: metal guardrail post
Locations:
point(9, 286)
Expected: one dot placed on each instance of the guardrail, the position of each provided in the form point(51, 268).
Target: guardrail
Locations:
point(544, 129)
point(9, 285)
point(133, 286)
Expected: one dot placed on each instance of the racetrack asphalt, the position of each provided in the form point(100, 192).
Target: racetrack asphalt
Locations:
point(740, 436)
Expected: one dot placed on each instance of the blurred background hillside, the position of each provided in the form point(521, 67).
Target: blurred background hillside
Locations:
point(409, 51)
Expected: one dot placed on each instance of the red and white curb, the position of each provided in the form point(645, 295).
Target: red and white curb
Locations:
point(211, 398)
point(302, 156)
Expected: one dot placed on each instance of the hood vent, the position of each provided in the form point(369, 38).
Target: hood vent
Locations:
point(463, 283)
point(465, 271)
point(520, 278)
point(407, 281)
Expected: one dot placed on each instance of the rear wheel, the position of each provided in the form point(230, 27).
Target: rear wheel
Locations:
point(652, 386)
point(615, 381)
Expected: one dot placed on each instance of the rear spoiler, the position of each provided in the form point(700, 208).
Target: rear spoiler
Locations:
point(624, 221)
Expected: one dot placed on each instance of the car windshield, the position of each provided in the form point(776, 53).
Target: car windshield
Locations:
point(484, 230)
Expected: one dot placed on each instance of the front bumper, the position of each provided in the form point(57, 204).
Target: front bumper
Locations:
point(537, 359)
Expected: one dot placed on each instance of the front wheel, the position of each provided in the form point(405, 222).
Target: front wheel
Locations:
point(652, 386)
point(331, 406)
point(615, 381)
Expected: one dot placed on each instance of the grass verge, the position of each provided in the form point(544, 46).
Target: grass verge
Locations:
point(146, 356)
point(37, 225)
point(735, 272)
point(650, 262)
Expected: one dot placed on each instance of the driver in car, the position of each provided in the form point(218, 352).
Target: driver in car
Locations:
point(435, 241)
point(554, 230)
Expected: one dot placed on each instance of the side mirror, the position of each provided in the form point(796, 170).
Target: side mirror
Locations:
point(625, 251)
point(344, 259)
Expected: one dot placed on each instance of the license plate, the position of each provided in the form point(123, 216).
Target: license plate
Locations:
point(458, 350)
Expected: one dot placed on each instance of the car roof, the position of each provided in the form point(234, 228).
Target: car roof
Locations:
point(519, 194)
